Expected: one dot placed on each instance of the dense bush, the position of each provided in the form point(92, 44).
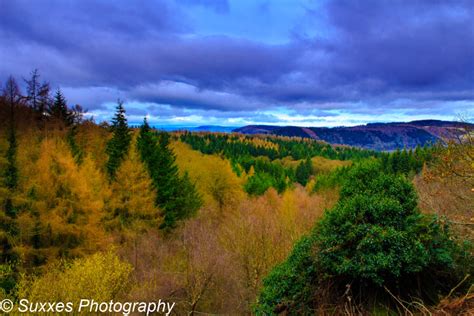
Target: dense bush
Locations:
point(102, 277)
point(375, 237)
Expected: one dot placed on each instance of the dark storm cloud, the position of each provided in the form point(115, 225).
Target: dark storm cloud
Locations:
point(124, 44)
point(406, 45)
point(368, 52)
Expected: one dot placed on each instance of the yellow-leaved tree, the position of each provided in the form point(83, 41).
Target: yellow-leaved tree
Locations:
point(132, 202)
point(101, 277)
point(65, 205)
point(217, 183)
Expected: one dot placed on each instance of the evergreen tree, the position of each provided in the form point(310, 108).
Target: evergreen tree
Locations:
point(11, 93)
point(76, 150)
point(75, 115)
point(177, 197)
point(187, 203)
point(58, 109)
point(9, 227)
point(303, 171)
point(11, 171)
point(404, 163)
point(118, 146)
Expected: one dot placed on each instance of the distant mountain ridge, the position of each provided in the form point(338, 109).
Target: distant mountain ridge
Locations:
point(214, 128)
point(376, 136)
point(202, 128)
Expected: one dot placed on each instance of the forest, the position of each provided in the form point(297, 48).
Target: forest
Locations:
point(226, 223)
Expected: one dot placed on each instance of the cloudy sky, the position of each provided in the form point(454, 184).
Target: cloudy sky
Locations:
point(237, 62)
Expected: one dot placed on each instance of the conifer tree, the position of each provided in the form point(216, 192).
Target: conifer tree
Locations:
point(303, 171)
point(11, 93)
point(118, 145)
point(12, 96)
point(11, 172)
point(58, 108)
point(404, 163)
point(177, 197)
point(76, 150)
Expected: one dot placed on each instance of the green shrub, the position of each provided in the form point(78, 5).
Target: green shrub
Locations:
point(290, 283)
point(7, 279)
point(258, 184)
point(375, 237)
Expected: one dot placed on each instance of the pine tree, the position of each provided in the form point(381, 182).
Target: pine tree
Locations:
point(177, 197)
point(58, 108)
point(404, 163)
point(189, 200)
point(118, 146)
point(12, 96)
point(11, 171)
point(11, 93)
point(303, 171)
point(76, 150)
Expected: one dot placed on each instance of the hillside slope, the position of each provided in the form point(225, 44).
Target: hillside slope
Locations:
point(376, 136)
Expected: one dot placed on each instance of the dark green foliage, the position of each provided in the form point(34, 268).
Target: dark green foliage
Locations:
point(11, 94)
point(118, 146)
point(266, 174)
point(244, 154)
point(375, 237)
point(304, 171)
point(36, 235)
point(76, 150)
point(290, 285)
point(231, 147)
point(188, 201)
point(258, 184)
point(331, 179)
point(9, 208)
point(176, 196)
point(59, 110)
point(406, 161)
point(7, 278)
point(11, 170)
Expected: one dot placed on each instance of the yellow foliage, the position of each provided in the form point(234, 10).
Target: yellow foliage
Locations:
point(217, 183)
point(263, 224)
point(66, 201)
point(102, 277)
point(320, 164)
point(133, 197)
point(262, 142)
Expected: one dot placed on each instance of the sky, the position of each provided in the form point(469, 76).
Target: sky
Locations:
point(239, 62)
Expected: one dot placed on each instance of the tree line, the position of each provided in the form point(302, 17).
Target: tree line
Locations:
point(260, 159)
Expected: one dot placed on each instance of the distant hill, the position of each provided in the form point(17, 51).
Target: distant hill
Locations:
point(203, 128)
point(214, 128)
point(376, 136)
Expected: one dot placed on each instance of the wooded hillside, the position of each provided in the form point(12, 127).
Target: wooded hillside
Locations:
point(227, 223)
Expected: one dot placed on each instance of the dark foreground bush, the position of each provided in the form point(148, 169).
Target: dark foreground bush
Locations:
point(372, 246)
